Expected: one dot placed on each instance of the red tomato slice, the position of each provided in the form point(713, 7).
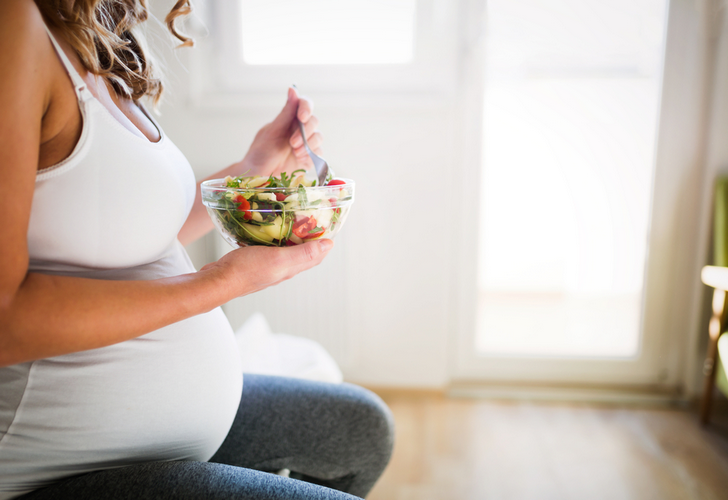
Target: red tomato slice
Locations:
point(244, 206)
point(336, 182)
point(311, 236)
point(243, 203)
point(303, 226)
point(280, 196)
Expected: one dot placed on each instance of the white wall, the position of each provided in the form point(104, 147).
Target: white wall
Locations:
point(388, 300)
point(379, 302)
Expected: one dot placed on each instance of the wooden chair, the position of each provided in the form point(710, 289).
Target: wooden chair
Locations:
point(716, 276)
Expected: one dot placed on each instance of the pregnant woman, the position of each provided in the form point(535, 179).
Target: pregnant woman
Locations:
point(119, 375)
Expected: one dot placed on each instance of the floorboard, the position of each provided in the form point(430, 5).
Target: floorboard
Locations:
point(463, 449)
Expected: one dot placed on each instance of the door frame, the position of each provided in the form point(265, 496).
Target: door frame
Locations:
point(677, 246)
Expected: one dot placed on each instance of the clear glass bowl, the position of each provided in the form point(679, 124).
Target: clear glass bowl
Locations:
point(277, 216)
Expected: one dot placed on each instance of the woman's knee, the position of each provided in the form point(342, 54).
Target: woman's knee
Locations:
point(374, 422)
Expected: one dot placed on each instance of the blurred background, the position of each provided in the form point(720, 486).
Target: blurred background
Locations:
point(519, 277)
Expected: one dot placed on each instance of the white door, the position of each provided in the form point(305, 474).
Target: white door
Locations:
point(578, 156)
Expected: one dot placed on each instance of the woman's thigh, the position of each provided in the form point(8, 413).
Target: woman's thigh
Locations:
point(183, 481)
point(337, 435)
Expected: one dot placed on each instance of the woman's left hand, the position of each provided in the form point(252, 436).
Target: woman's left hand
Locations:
point(278, 146)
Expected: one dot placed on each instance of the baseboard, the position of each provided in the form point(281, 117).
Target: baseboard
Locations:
point(409, 392)
point(650, 396)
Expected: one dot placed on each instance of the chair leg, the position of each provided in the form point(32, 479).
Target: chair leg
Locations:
point(709, 372)
point(714, 328)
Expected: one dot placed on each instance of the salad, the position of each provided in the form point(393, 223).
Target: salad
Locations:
point(276, 211)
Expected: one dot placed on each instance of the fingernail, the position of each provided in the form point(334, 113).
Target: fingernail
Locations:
point(325, 245)
point(296, 142)
point(290, 94)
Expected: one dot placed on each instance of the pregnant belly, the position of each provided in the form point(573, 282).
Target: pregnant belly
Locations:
point(169, 395)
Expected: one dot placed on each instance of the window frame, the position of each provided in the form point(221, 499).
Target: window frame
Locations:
point(430, 78)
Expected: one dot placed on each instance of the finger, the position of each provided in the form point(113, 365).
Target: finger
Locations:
point(299, 258)
point(309, 127)
point(267, 266)
point(316, 140)
point(304, 161)
point(305, 109)
point(285, 117)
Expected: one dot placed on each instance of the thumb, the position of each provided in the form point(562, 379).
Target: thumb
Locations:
point(308, 254)
point(288, 113)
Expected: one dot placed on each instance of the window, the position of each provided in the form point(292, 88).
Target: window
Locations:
point(349, 49)
point(571, 112)
point(288, 32)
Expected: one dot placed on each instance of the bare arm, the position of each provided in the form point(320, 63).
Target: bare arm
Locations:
point(41, 315)
point(52, 315)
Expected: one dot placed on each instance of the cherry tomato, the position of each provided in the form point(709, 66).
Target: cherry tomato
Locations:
point(290, 243)
point(336, 182)
point(280, 196)
point(244, 206)
point(303, 226)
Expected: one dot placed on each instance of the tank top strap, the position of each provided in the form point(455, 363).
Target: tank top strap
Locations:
point(82, 91)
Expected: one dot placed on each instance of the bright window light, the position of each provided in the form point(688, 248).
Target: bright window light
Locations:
point(571, 106)
point(293, 32)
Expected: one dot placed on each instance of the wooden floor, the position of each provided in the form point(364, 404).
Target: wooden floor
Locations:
point(462, 449)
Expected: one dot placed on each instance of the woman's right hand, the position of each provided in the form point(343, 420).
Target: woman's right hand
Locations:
point(250, 269)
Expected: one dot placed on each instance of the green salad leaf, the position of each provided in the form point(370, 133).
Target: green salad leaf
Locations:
point(268, 217)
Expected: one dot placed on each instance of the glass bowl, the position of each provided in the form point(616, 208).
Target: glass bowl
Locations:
point(277, 216)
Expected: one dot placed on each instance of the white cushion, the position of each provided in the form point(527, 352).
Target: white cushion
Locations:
point(267, 353)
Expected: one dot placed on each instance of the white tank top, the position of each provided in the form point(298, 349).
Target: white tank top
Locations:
point(112, 210)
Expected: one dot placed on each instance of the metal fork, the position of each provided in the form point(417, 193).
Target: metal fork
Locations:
point(323, 172)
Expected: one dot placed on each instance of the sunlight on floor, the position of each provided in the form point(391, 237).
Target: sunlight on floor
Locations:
point(463, 449)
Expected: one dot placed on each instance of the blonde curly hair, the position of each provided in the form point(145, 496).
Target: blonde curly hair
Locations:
point(105, 34)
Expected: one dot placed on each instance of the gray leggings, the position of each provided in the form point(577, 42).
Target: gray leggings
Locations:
point(334, 438)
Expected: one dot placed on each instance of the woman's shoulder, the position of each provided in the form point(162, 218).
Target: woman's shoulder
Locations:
point(21, 23)
point(36, 94)
point(25, 49)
